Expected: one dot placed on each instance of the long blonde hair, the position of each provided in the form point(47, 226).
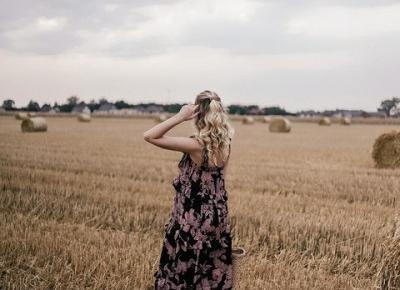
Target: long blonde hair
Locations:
point(214, 131)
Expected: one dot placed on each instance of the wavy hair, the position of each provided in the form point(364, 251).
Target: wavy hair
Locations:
point(214, 131)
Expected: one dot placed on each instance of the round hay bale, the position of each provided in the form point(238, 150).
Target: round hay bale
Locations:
point(386, 150)
point(280, 125)
point(345, 121)
point(325, 121)
point(31, 114)
point(248, 120)
point(161, 118)
point(266, 119)
point(36, 124)
point(84, 117)
point(21, 116)
point(237, 260)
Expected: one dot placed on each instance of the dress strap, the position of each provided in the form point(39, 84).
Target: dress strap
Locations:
point(204, 162)
point(205, 158)
point(230, 141)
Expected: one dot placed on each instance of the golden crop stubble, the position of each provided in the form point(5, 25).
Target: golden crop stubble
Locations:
point(84, 206)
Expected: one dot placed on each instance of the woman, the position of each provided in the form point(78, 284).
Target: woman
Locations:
point(197, 248)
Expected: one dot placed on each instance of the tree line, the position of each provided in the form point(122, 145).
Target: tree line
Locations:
point(71, 102)
point(388, 106)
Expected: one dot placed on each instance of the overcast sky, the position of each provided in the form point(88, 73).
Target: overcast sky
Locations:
point(314, 54)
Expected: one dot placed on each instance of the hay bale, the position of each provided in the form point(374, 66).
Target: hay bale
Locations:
point(325, 121)
point(389, 268)
point(84, 117)
point(280, 125)
point(266, 119)
point(248, 120)
point(161, 118)
point(237, 260)
point(21, 116)
point(32, 114)
point(36, 124)
point(386, 150)
point(345, 121)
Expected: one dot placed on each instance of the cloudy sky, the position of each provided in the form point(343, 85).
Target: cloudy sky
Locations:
point(314, 54)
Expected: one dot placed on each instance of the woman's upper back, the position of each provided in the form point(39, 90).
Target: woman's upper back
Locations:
point(201, 159)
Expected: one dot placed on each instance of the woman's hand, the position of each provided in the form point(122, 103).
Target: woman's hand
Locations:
point(188, 112)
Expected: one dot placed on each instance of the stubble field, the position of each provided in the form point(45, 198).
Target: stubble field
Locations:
point(84, 205)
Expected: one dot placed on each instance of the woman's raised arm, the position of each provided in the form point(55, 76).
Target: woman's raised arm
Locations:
point(156, 135)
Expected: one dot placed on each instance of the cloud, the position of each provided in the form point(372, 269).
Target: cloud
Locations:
point(43, 36)
point(50, 24)
point(346, 22)
point(296, 53)
point(142, 28)
point(24, 22)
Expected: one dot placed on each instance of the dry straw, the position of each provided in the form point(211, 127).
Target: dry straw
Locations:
point(84, 118)
point(36, 124)
point(161, 118)
point(32, 114)
point(248, 120)
point(345, 121)
point(386, 150)
point(389, 270)
point(21, 116)
point(280, 124)
point(325, 121)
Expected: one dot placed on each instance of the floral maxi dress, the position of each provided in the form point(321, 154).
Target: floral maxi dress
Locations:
point(197, 248)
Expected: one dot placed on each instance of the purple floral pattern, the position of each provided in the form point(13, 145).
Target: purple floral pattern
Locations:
point(197, 248)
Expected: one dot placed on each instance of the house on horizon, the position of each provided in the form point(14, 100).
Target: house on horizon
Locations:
point(255, 111)
point(128, 111)
point(81, 108)
point(45, 108)
point(308, 114)
point(154, 109)
point(106, 108)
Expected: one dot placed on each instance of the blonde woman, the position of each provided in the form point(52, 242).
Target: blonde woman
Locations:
point(197, 248)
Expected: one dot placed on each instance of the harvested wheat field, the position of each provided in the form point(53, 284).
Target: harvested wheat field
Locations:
point(83, 206)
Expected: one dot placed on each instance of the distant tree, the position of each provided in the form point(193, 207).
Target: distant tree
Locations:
point(103, 101)
point(275, 111)
point(121, 105)
point(65, 108)
point(8, 104)
point(145, 105)
point(72, 101)
point(253, 110)
point(33, 106)
point(388, 105)
point(236, 109)
point(172, 108)
point(93, 105)
point(364, 114)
